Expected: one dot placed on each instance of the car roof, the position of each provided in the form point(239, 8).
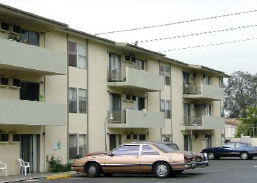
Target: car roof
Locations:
point(147, 142)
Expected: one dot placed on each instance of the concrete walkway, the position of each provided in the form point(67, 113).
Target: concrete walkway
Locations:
point(17, 178)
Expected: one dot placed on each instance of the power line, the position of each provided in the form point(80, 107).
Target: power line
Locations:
point(180, 22)
point(197, 34)
point(206, 45)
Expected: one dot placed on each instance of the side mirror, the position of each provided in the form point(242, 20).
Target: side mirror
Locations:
point(110, 154)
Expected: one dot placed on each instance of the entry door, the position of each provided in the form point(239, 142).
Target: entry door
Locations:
point(115, 141)
point(141, 103)
point(30, 148)
point(187, 143)
point(187, 114)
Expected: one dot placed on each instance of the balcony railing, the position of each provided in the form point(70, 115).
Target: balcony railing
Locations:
point(131, 118)
point(193, 120)
point(115, 74)
point(191, 88)
point(117, 116)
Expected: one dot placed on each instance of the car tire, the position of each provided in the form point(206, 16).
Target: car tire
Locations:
point(162, 170)
point(93, 170)
point(244, 155)
point(211, 156)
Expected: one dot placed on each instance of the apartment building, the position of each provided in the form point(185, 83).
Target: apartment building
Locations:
point(65, 93)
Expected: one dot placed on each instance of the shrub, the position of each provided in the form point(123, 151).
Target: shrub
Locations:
point(55, 165)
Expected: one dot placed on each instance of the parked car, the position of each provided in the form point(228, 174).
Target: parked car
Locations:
point(232, 149)
point(194, 160)
point(140, 157)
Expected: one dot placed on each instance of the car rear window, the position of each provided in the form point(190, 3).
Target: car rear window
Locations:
point(164, 148)
point(173, 146)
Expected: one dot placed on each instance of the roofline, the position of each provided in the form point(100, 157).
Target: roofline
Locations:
point(33, 15)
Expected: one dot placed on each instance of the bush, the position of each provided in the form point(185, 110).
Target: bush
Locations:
point(55, 165)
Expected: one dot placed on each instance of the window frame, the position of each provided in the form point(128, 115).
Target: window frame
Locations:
point(79, 110)
point(77, 135)
point(165, 71)
point(78, 100)
point(141, 152)
point(77, 55)
point(167, 112)
point(139, 148)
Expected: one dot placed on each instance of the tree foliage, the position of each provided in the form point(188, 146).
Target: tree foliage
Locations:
point(249, 125)
point(240, 93)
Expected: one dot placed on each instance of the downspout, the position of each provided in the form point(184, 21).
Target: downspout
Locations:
point(67, 99)
point(87, 105)
point(44, 133)
point(171, 132)
point(160, 102)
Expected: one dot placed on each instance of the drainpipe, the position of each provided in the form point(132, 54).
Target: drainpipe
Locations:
point(67, 100)
point(87, 105)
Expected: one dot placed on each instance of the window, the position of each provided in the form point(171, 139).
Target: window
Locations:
point(82, 144)
point(221, 84)
point(166, 108)
point(29, 91)
point(80, 103)
point(229, 145)
point(165, 71)
point(139, 64)
point(147, 150)
point(30, 37)
point(82, 100)
point(77, 55)
point(77, 145)
point(208, 109)
point(4, 137)
point(5, 26)
point(16, 29)
point(222, 113)
point(164, 148)
point(132, 150)
point(72, 100)
point(142, 137)
point(206, 79)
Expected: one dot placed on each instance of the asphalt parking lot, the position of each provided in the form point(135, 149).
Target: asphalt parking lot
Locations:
point(226, 170)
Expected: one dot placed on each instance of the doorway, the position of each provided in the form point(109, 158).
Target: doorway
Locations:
point(30, 150)
point(115, 141)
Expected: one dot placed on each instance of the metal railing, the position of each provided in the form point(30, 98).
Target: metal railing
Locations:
point(193, 120)
point(116, 74)
point(191, 88)
point(116, 116)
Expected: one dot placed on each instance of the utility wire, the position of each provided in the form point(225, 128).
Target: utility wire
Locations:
point(197, 34)
point(206, 45)
point(180, 22)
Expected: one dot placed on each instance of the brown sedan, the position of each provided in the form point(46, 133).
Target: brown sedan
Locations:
point(142, 157)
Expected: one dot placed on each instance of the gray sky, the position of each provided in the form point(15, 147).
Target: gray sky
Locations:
point(107, 15)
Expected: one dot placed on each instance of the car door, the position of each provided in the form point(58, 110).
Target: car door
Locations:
point(123, 159)
point(227, 150)
point(148, 156)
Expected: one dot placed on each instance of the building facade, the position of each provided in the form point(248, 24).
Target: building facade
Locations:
point(65, 93)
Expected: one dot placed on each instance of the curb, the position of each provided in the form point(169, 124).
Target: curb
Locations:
point(62, 176)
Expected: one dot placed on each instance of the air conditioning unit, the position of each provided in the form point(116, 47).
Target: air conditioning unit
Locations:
point(4, 81)
point(16, 137)
point(130, 97)
point(15, 83)
point(4, 137)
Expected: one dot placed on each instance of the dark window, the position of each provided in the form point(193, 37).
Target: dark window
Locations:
point(173, 146)
point(30, 37)
point(29, 91)
point(16, 137)
point(165, 71)
point(147, 150)
point(132, 150)
point(4, 81)
point(128, 136)
point(127, 58)
point(16, 29)
point(164, 148)
point(16, 82)
point(72, 51)
point(5, 26)
point(135, 136)
point(142, 137)
point(4, 137)
point(134, 98)
point(128, 97)
point(141, 103)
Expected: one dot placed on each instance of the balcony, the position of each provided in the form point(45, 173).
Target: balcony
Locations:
point(25, 112)
point(203, 123)
point(193, 91)
point(135, 119)
point(22, 57)
point(135, 79)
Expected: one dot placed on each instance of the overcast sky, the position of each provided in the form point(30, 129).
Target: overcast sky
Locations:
point(95, 16)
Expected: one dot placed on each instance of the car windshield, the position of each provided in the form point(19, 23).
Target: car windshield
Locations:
point(173, 146)
point(164, 148)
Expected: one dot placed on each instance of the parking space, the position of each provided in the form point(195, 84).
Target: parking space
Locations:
point(226, 170)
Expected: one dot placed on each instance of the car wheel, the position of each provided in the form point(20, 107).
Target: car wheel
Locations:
point(211, 156)
point(162, 170)
point(93, 170)
point(244, 155)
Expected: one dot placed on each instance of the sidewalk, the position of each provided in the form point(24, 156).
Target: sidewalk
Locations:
point(17, 178)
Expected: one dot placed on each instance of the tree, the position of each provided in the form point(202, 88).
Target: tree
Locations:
point(240, 93)
point(249, 125)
